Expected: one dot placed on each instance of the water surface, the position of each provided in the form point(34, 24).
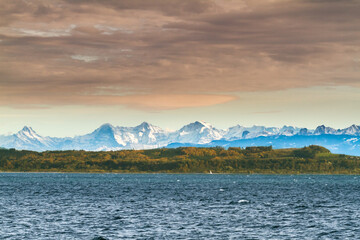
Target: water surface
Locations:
point(161, 206)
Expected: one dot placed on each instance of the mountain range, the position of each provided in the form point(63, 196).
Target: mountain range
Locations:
point(199, 133)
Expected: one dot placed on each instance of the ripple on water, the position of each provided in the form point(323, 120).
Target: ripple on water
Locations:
point(161, 206)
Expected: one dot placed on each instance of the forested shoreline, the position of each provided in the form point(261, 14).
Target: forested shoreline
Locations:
point(312, 160)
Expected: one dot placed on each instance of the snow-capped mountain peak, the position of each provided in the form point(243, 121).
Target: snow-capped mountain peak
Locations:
point(144, 125)
point(198, 131)
point(27, 133)
point(105, 128)
point(197, 125)
point(27, 130)
point(26, 138)
point(303, 132)
point(147, 127)
point(352, 130)
point(146, 135)
point(288, 130)
point(205, 124)
point(322, 129)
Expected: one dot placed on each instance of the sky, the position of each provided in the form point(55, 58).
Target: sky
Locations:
point(68, 66)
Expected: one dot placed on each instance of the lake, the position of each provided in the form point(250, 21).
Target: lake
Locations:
point(178, 206)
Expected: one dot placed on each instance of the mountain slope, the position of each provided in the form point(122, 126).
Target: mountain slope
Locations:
point(146, 136)
point(197, 132)
point(108, 137)
point(27, 139)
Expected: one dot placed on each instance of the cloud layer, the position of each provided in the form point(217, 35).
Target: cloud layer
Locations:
point(172, 54)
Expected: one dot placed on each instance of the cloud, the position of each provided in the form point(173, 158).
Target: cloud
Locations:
point(173, 7)
point(174, 101)
point(180, 48)
point(83, 58)
point(41, 33)
point(157, 102)
point(108, 30)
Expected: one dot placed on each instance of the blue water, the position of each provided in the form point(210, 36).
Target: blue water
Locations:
point(161, 206)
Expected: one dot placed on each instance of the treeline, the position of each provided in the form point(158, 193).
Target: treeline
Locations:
point(312, 159)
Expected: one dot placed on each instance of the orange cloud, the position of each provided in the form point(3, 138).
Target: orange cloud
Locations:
point(143, 102)
point(175, 101)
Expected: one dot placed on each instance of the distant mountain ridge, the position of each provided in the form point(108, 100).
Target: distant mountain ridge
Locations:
point(199, 133)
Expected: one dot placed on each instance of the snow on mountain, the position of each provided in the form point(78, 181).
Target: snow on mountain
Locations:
point(289, 130)
point(240, 132)
point(142, 136)
point(145, 136)
point(149, 135)
point(197, 132)
point(113, 138)
point(352, 130)
point(304, 132)
point(103, 137)
point(27, 134)
point(26, 138)
point(324, 130)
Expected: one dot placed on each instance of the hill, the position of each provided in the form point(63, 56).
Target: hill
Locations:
point(311, 159)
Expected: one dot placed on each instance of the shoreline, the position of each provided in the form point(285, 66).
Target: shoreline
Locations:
point(178, 173)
